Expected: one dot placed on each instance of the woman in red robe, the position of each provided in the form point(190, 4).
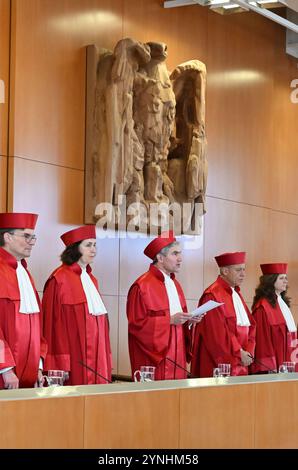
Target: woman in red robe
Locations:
point(75, 319)
point(276, 333)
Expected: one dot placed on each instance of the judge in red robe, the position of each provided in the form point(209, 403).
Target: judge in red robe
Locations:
point(276, 337)
point(158, 322)
point(75, 319)
point(22, 348)
point(226, 333)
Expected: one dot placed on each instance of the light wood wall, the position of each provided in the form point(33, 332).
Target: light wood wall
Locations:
point(4, 77)
point(251, 129)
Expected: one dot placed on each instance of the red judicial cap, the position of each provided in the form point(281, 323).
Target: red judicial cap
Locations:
point(154, 247)
point(274, 268)
point(17, 220)
point(227, 259)
point(78, 234)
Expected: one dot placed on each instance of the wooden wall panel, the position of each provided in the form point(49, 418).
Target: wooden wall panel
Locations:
point(64, 201)
point(107, 257)
point(4, 78)
point(285, 123)
point(249, 112)
point(267, 236)
point(42, 423)
point(56, 194)
point(4, 72)
point(132, 421)
point(191, 274)
point(276, 424)
point(49, 74)
point(3, 181)
point(149, 21)
point(294, 310)
point(239, 79)
point(220, 417)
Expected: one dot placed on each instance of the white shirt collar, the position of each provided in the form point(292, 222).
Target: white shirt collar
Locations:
point(173, 297)
point(241, 314)
point(28, 302)
point(94, 300)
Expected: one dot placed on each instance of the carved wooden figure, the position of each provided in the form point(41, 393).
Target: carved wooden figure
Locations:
point(145, 135)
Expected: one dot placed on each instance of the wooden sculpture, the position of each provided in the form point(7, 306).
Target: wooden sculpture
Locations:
point(145, 137)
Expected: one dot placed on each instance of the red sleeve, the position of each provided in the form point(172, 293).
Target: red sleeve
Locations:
point(221, 344)
point(43, 342)
point(264, 351)
point(6, 357)
point(188, 340)
point(251, 342)
point(148, 330)
point(58, 356)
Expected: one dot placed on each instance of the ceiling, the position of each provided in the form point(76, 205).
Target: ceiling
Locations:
point(262, 7)
point(272, 9)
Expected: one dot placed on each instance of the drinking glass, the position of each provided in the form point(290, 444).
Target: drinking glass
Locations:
point(56, 377)
point(287, 367)
point(222, 370)
point(145, 374)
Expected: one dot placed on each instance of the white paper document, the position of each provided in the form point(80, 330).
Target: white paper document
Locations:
point(205, 308)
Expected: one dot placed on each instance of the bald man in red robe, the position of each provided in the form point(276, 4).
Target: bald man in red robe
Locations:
point(226, 333)
point(158, 322)
point(21, 344)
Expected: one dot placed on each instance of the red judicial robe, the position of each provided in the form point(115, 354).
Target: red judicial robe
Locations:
point(21, 342)
point(218, 338)
point(274, 343)
point(151, 337)
point(72, 333)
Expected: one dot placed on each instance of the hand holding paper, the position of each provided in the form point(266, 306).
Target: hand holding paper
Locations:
point(211, 304)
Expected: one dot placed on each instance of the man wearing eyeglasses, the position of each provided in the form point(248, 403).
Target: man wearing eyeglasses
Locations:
point(22, 348)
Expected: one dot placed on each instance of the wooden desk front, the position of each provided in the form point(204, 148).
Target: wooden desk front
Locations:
point(238, 412)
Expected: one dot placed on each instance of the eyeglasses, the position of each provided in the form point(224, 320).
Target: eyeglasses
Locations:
point(28, 238)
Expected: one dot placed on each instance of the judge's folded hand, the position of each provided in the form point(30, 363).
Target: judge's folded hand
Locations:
point(180, 318)
point(10, 379)
point(246, 358)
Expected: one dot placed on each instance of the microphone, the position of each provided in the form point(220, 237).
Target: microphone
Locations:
point(272, 371)
point(180, 367)
point(95, 372)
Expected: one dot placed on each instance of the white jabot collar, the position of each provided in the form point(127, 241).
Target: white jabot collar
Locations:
point(94, 300)
point(287, 314)
point(28, 302)
point(174, 301)
point(241, 315)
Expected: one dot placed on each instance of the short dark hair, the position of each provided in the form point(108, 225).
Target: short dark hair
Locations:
point(71, 254)
point(164, 251)
point(2, 232)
